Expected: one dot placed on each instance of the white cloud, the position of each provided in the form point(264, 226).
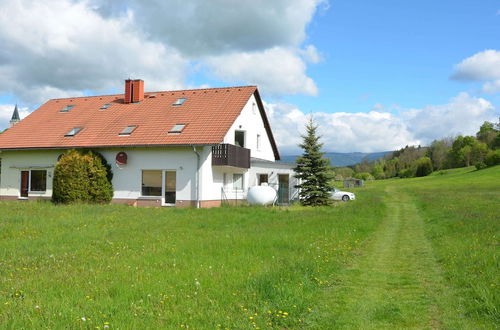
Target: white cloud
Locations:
point(61, 47)
point(66, 47)
point(482, 66)
point(199, 27)
point(276, 71)
point(491, 87)
point(378, 130)
point(464, 115)
point(340, 132)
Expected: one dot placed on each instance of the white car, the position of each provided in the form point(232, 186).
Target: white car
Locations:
point(345, 196)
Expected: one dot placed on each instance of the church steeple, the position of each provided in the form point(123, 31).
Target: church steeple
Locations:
point(15, 117)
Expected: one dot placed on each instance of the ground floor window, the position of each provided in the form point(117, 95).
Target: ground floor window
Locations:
point(263, 178)
point(238, 181)
point(38, 180)
point(151, 182)
point(33, 181)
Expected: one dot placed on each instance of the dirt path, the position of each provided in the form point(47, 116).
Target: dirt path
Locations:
point(396, 283)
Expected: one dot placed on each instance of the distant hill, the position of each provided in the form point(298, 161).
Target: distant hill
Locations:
point(339, 159)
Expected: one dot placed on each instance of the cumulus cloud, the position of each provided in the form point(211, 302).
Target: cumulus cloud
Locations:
point(341, 131)
point(378, 130)
point(69, 47)
point(63, 47)
point(200, 27)
point(482, 66)
point(277, 71)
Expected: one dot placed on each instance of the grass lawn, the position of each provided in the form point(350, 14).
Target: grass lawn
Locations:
point(419, 253)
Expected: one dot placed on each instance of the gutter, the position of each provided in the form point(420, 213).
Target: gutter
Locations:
point(197, 177)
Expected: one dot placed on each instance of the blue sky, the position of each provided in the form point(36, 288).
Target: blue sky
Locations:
point(376, 75)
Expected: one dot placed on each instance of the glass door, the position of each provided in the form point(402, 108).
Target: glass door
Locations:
point(169, 187)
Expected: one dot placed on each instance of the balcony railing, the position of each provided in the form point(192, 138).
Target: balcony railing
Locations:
point(230, 155)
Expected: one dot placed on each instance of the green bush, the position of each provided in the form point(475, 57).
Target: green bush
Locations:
point(480, 165)
point(364, 176)
point(81, 176)
point(424, 167)
point(407, 173)
point(492, 158)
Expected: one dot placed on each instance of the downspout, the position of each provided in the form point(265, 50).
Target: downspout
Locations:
point(197, 177)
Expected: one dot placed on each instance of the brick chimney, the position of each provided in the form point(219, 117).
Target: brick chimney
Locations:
point(134, 91)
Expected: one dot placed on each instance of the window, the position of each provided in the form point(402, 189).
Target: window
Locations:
point(254, 108)
point(38, 180)
point(238, 181)
point(67, 108)
point(128, 130)
point(105, 106)
point(177, 129)
point(179, 101)
point(258, 141)
point(151, 183)
point(263, 178)
point(74, 131)
point(239, 138)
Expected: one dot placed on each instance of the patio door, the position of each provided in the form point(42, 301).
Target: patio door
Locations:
point(169, 188)
point(25, 182)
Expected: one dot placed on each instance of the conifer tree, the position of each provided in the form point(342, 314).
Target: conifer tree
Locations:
point(313, 170)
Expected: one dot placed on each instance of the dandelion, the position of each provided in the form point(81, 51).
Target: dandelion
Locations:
point(83, 319)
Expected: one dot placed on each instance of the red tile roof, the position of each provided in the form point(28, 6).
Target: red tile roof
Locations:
point(207, 113)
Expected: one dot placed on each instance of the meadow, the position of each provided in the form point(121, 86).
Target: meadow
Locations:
point(407, 253)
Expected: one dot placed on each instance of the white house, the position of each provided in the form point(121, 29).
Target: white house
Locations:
point(172, 148)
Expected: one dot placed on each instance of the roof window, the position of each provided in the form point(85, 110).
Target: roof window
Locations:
point(74, 131)
point(177, 129)
point(67, 108)
point(105, 106)
point(179, 101)
point(128, 130)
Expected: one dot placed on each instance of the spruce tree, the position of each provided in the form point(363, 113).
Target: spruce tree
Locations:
point(313, 170)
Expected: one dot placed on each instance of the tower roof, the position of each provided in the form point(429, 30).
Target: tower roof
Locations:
point(15, 115)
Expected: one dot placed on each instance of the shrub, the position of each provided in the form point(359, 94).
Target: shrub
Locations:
point(424, 167)
point(363, 176)
point(80, 176)
point(480, 165)
point(407, 173)
point(492, 158)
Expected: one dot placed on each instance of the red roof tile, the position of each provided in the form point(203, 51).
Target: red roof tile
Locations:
point(207, 113)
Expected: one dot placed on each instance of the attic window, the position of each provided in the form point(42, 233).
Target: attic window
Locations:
point(128, 130)
point(74, 131)
point(105, 106)
point(179, 101)
point(67, 108)
point(177, 129)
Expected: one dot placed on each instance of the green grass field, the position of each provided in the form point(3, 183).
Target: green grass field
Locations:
point(412, 253)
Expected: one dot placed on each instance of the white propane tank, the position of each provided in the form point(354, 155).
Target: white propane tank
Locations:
point(261, 195)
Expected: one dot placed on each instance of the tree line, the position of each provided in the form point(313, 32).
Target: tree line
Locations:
point(481, 150)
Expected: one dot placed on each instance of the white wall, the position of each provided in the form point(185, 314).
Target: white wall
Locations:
point(13, 162)
point(127, 179)
point(251, 122)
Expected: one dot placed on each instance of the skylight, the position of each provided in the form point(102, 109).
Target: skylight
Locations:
point(180, 101)
point(128, 130)
point(177, 129)
point(74, 131)
point(105, 106)
point(67, 108)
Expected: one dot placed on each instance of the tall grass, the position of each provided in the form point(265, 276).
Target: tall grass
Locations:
point(121, 267)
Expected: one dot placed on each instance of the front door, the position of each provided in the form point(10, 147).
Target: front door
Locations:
point(169, 187)
point(284, 189)
point(25, 179)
